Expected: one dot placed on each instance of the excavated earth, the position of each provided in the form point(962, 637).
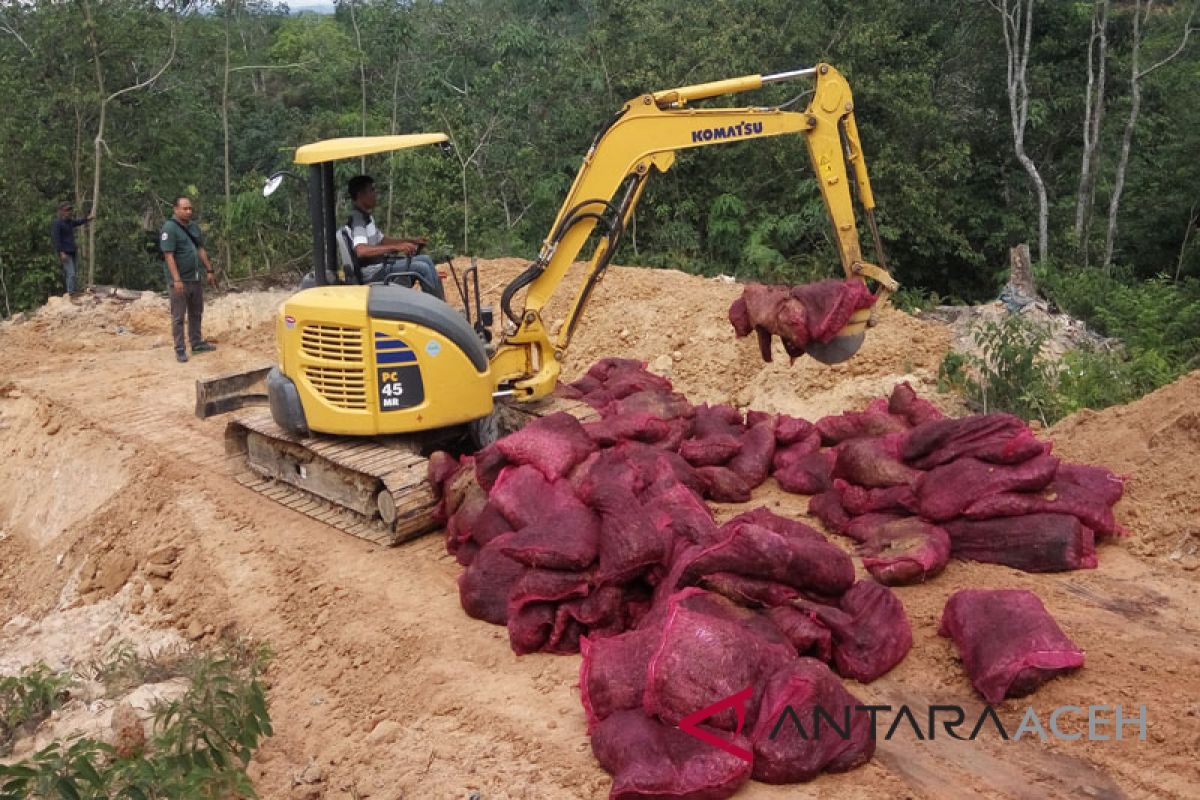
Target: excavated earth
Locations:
point(120, 520)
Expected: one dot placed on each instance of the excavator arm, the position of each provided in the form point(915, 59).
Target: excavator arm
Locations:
point(643, 138)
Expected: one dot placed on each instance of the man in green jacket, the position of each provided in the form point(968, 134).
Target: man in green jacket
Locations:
point(182, 244)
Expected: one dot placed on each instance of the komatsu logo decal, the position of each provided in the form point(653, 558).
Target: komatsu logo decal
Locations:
point(727, 132)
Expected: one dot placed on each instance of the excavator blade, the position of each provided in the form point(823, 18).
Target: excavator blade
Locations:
point(837, 349)
point(231, 391)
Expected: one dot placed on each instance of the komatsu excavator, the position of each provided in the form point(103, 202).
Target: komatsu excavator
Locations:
point(370, 378)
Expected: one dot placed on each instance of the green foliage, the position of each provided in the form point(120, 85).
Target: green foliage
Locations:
point(123, 668)
point(27, 699)
point(952, 373)
point(1010, 374)
point(523, 86)
point(200, 746)
point(1152, 316)
point(913, 299)
point(725, 227)
point(1092, 379)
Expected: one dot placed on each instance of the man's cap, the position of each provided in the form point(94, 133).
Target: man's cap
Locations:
point(65, 206)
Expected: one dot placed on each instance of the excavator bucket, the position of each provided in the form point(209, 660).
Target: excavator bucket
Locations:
point(231, 391)
point(845, 344)
point(836, 350)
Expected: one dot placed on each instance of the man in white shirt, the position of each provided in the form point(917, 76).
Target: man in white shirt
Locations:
point(379, 255)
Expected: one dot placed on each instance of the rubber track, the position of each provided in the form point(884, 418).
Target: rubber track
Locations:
point(405, 474)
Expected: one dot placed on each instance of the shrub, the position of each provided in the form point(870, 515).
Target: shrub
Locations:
point(200, 746)
point(27, 699)
point(1010, 374)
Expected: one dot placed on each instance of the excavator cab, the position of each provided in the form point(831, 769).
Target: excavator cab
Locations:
point(376, 359)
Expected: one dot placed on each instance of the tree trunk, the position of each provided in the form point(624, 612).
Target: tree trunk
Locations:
point(1020, 274)
point(1140, 18)
point(1043, 206)
point(1093, 115)
point(98, 142)
point(77, 154)
point(1017, 22)
point(466, 212)
point(392, 130)
point(4, 288)
point(226, 240)
point(1187, 234)
point(362, 72)
point(1114, 203)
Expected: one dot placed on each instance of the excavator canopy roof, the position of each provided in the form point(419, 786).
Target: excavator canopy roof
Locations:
point(354, 146)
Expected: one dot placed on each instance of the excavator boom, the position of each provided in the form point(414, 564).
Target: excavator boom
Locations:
point(644, 138)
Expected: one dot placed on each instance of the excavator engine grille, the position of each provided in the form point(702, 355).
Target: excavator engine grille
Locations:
point(333, 343)
point(344, 388)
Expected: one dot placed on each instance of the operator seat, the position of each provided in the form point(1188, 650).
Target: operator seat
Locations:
point(352, 265)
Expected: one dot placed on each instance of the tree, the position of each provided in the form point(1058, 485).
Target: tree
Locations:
point(1141, 18)
point(1093, 116)
point(233, 13)
point(1017, 21)
point(100, 145)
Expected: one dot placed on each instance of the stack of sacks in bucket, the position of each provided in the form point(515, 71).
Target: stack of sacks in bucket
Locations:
point(798, 315)
point(915, 488)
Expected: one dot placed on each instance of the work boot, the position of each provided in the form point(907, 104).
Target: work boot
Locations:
point(181, 356)
point(203, 347)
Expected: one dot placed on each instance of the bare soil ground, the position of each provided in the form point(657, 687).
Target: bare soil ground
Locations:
point(119, 519)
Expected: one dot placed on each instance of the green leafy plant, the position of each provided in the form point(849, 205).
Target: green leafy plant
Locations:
point(1093, 379)
point(913, 299)
point(1013, 376)
point(28, 698)
point(952, 373)
point(725, 227)
point(1010, 373)
point(123, 668)
point(200, 746)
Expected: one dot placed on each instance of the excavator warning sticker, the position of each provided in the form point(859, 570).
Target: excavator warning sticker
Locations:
point(398, 376)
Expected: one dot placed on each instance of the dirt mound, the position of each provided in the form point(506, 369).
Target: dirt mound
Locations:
point(678, 324)
point(1155, 441)
point(381, 687)
point(121, 319)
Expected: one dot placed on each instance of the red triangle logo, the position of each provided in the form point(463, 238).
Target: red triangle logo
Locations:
point(737, 702)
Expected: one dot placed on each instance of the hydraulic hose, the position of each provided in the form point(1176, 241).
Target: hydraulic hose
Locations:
point(573, 217)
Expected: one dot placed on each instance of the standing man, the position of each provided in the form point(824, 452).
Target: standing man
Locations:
point(62, 233)
point(182, 244)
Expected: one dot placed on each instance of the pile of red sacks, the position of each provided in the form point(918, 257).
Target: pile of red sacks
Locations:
point(596, 538)
point(914, 488)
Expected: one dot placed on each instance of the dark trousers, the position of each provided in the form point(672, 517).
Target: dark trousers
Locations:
point(189, 302)
point(421, 267)
point(68, 265)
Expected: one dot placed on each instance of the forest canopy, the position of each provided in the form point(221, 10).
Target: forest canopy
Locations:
point(983, 122)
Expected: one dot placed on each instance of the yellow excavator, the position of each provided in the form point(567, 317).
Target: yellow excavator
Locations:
point(370, 378)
